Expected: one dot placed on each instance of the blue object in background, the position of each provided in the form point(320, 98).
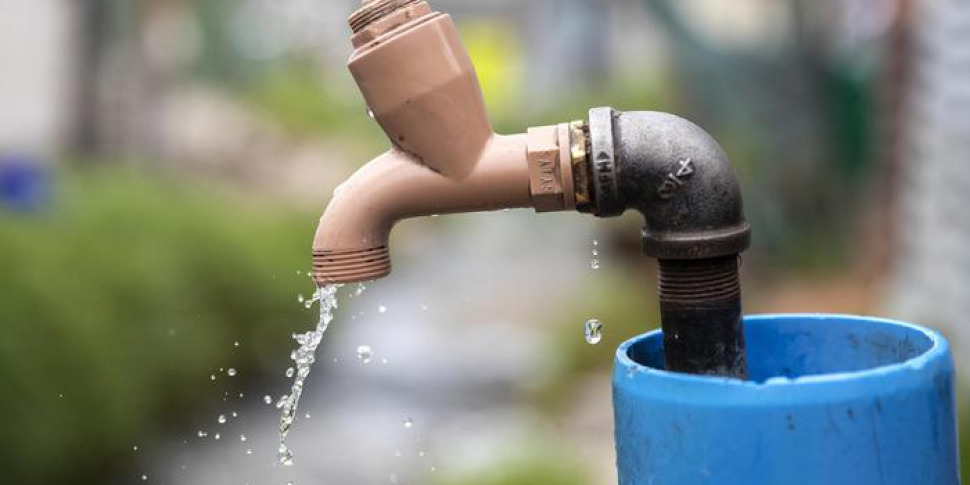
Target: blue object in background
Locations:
point(832, 400)
point(23, 183)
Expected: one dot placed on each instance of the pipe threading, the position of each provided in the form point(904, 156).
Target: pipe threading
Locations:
point(699, 281)
point(374, 10)
point(353, 266)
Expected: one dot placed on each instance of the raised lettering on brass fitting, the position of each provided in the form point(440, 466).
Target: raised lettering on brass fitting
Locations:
point(545, 172)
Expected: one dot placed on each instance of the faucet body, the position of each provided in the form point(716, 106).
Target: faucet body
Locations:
point(421, 87)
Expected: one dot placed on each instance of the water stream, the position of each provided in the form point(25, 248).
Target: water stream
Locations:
point(304, 357)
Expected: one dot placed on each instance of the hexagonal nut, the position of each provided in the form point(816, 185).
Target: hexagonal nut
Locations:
point(545, 171)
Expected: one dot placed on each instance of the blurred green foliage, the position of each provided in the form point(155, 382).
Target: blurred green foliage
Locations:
point(537, 464)
point(306, 101)
point(118, 303)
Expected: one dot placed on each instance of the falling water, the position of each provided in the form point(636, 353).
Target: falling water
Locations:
point(304, 357)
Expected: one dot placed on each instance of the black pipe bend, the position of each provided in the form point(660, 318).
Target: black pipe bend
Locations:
point(675, 174)
point(680, 180)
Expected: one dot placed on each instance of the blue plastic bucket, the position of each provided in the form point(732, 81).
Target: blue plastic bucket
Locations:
point(832, 400)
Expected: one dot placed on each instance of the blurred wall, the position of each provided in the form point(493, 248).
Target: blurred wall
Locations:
point(37, 74)
point(932, 274)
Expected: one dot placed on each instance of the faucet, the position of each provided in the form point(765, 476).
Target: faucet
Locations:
point(421, 87)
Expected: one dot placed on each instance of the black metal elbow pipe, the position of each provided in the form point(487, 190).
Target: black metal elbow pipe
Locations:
point(681, 181)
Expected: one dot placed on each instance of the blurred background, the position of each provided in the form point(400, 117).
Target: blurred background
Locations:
point(163, 164)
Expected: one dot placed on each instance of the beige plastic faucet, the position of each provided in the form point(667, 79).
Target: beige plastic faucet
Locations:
point(421, 87)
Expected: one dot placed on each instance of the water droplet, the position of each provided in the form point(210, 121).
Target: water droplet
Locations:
point(408, 423)
point(221, 419)
point(370, 113)
point(217, 436)
point(384, 361)
point(290, 371)
point(144, 478)
point(202, 434)
point(595, 264)
point(249, 451)
point(235, 344)
point(421, 454)
point(307, 416)
point(360, 289)
point(212, 377)
point(596, 242)
point(267, 399)
point(594, 331)
point(364, 354)
point(285, 456)
point(382, 309)
point(231, 372)
point(242, 438)
point(434, 469)
point(234, 414)
point(596, 253)
point(300, 298)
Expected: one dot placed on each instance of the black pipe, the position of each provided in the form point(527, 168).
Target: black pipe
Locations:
point(700, 307)
point(681, 181)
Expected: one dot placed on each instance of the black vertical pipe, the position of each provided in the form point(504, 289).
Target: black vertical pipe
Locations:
point(700, 312)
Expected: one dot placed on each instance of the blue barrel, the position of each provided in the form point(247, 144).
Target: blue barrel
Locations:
point(832, 400)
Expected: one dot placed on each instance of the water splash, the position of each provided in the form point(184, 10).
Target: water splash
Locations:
point(594, 331)
point(304, 357)
point(364, 354)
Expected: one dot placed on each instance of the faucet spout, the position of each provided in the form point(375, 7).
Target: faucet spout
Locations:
point(351, 242)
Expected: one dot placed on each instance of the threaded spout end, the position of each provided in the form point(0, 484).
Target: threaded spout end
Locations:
point(373, 10)
point(700, 311)
point(353, 266)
